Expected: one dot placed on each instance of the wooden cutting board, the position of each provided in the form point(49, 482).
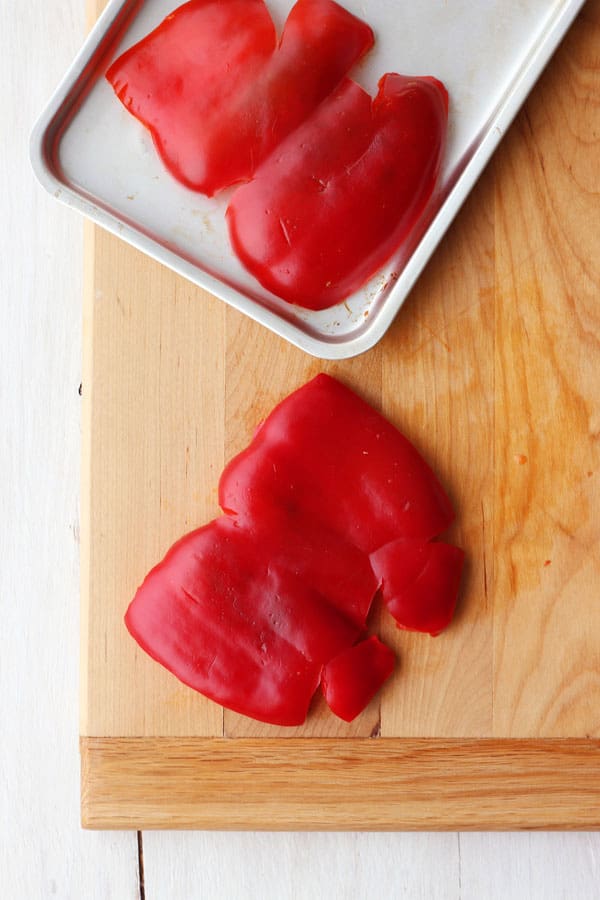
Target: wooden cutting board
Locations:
point(492, 368)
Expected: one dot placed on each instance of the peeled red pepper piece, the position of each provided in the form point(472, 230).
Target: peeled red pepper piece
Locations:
point(230, 620)
point(327, 503)
point(326, 454)
point(419, 582)
point(177, 78)
point(218, 91)
point(327, 562)
point(326, 210)
point(351, 679)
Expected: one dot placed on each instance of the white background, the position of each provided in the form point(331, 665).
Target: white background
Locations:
point(43, 851)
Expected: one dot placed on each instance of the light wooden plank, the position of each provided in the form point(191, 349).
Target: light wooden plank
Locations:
point(262, 369)
point(529, 866)
point(547, 455)
point(301, 866)
point(356, 784)
point(43, 852)
point(439, 390)
point(155, 413)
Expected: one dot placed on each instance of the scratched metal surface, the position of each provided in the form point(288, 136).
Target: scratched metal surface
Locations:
point(92, 154)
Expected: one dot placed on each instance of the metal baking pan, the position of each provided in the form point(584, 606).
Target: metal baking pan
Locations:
point(91, 154)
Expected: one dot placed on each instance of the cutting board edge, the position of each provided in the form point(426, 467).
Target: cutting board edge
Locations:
point(85, 517)
point(301, 784)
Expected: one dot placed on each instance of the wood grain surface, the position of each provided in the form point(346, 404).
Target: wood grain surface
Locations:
point(339, 785)
point(491, 369)
point(43, 851)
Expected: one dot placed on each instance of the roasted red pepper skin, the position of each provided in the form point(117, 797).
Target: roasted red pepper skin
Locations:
point(330, 206)
point(231, 621)
point(350, 680)
point(324, 454)
point(420, 582)
point(217, 90)
point(326, 561)
point(327, 503)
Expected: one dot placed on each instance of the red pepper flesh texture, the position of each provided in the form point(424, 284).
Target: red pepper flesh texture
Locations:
point(218, 92)
point(177, 79)
point(324, 455)
point(322, 559)
point(230, 619)
point(350, 680)
point(249, 609)
point(420, 582)
point(338, 197)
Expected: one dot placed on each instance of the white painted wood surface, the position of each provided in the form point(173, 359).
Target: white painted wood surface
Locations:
point(43, 852)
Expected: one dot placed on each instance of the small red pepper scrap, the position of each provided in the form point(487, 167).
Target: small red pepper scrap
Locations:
point(218, 91)
point(328, 503)
point(326, 210)
point(420, 582)
point(350, 680)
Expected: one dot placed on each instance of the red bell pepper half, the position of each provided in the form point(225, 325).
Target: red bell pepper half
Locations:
point(335, 200)
point(254, 609)
point(350, 680)
point(218, 91)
